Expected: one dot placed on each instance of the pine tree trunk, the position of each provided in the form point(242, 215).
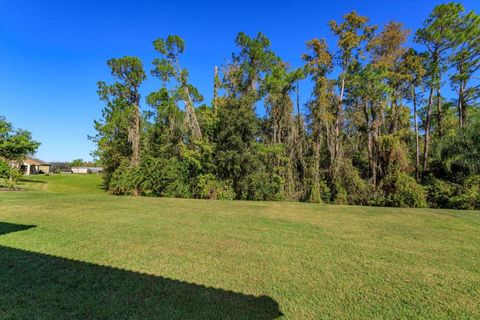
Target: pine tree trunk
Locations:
point(299, 143)
point(370, 145)
point(335, 154)
point(338, 122)
point(461, 106)
point(394, 125)
point(417, 144)
point(439, 112)
point(135, 141)
point(427, 129)
point(135, 138)
point(316, 192)
point(215, 89)
point(374, 141)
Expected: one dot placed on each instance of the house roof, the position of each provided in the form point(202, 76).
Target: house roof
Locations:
point(35, 162)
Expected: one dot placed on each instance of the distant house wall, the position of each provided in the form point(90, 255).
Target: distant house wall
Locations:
point(95, 169)
point(80, 170)
point(44, 169)
point(85, 170)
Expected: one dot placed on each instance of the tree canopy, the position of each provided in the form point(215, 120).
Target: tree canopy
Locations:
point(15, 145)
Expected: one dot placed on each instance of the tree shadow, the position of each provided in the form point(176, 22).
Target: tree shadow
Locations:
point(41, 286)
point(6, 227)
point(24, 180)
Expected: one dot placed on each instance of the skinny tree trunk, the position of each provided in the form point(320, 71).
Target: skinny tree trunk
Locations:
point(337, 149)
point(338, 122)
point(215, 89)
point(316, 192)
point(417, 144)
point(462, 112)
point(462, 106)
point(374, 141)
point(191, 121)
point(134, 131)
point(439, 112)
point(427, 129)
point(394, 125)
point(134, 137)
point(191, 117)
point(370, 145)
point(275, 129)
point(300, 134)
point(297, 91)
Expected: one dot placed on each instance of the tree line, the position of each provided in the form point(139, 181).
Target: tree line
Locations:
point(385, 124)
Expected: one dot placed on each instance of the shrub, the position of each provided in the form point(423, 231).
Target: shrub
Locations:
point(4, 169)
point(440, 193)
point(9, 175)
point(154, 177)
point(262, 186)
point(394, 151)
point(163, 177)
point(401, 190)
point(125, 179)
point(341, 196)
point(470, 194)
point(350, 187)
point(209, 187)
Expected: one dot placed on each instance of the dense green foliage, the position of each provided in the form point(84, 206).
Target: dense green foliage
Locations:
point(68, 250)
point(378, 128)
point(15, 145)
point(401, 190)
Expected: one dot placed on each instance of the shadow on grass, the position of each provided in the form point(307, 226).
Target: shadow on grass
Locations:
point(23, 180)
point(40, 286)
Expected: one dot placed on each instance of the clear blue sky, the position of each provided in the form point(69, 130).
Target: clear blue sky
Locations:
point(52, 53)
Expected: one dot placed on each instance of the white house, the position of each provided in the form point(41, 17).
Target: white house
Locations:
point(85, 170)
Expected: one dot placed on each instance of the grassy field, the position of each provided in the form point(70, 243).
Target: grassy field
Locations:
point(69, 251)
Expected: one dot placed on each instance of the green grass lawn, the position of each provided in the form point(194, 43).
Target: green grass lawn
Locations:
point(69, 251)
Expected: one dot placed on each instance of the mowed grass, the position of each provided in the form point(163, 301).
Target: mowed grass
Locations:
point(68, 250)
point(64, 183)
